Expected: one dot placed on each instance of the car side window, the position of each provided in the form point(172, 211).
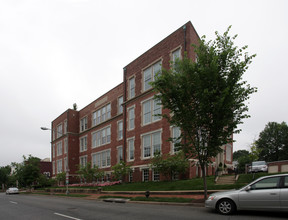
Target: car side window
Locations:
point(269, 183)
point(286, 182)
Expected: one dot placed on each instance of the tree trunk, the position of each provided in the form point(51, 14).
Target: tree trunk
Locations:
point(204, 180)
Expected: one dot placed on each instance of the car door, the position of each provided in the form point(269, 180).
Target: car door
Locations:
point(284, 195)
point(262, 195)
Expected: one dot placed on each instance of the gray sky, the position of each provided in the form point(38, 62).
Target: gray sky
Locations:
point(59, 52)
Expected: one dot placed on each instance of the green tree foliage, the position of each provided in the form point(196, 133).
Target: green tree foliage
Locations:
point(240, 153)
point(273, 142)
point(243, 158)
point(28, 172)
point(207, 97)
point(4, 175)
point(170, 165)
point(120, 170)
point(61, 177)
point(89, 173)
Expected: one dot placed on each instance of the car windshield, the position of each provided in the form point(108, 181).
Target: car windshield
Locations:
point(257, 163)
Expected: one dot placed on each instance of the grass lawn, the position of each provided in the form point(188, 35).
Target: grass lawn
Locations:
point(192, 184)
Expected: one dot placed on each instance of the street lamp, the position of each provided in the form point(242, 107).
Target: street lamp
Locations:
point(67, 169)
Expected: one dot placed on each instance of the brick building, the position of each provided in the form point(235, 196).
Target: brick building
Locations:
point(121, 124)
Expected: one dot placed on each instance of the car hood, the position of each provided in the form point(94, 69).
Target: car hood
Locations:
point(229, 192)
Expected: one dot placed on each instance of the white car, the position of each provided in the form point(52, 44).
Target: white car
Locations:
point(258, 166)
point(12, 190)
point(268, 193)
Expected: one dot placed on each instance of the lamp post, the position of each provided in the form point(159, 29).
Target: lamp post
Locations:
point(67, 169)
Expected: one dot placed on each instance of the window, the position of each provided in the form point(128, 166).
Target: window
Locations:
point(65, 146)
point(120, 107)
point(59, 166)
point(151, 110)
point(228, 152)
point(131, 149)
point(101, 115)
point(101, 159)
point(176, 132)
point(59, 148)
point(150, 73)
point(156, 175)
point(176, 55)
point(53, 167)
point(286, 182)
point(101, 137)
point(120, 130)
point(53, 150)
point(268, 183)
point(131, 92)
point(59, 131)
point(131, 117)
point(151, 144)
point(83, 144)
point(130, 176)
point(65, 126)
point(83, 161)
point(119, 154)
point(83, 124)
point(53, 134)
point(65, 164)
point(145, 175)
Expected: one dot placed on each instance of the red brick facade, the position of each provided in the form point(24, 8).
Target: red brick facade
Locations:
point(93, 133)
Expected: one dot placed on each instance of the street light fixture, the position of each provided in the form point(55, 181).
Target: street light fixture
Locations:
point(67, 171)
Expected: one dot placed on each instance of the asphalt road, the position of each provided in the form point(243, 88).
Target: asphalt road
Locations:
point(51, 207)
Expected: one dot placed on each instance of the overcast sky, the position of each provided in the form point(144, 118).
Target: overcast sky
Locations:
point(59, 52)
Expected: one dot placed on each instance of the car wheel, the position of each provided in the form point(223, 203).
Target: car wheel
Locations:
point(225, 207)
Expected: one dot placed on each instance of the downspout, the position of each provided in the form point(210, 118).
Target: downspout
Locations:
point(184, 28)
point(124, 112)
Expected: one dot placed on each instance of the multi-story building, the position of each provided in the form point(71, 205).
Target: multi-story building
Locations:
point(122, 124)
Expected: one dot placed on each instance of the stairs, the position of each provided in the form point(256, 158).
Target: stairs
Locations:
point(225, 180)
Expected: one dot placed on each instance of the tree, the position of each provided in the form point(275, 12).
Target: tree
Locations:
point(4, 175)
point(240, 153)
point(273, 142)
point(28, 172)
point(89, 173)
point(206, 98)
point(120, 170)
point(170, 165)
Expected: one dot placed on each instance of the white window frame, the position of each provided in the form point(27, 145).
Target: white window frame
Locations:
point(65, 146)
point(83, 124)
point(83, 161)
point(83, 143)
point(53, 150)
point(132, 87)
point(120, 154)
point(151, 144)
point(65, 127)
point(155, 175)
point(59, 166)
point(101, 137)
point(102, 114)
point(150, 110)
point(131, 149)
point(59, 148)
point(131, 118)
point(120, 102)
point(149, 74)
point(175, 135)
point(59, 130)
point(100, 158)
point(53, 167)
point(145, 175)
point(120, 130)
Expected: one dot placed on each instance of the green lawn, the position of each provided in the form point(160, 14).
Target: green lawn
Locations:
point(192, 184)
